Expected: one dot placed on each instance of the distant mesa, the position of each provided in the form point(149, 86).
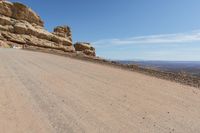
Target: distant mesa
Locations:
point(19, 25)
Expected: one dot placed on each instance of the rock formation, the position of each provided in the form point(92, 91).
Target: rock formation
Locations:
point(20, 25)
point(85, 48)
point(63, 31)
point(4, 44)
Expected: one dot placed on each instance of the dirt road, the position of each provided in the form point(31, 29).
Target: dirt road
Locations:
point(44, 93)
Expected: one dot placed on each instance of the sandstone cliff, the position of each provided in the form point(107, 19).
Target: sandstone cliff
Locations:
point(19, 25)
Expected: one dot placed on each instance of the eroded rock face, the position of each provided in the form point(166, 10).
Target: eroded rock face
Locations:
point(20, 25)
point(20, 12)
point(85, 48)
point(63, 31)
point(3, 44)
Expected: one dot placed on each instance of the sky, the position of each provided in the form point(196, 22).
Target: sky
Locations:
point(129, 29)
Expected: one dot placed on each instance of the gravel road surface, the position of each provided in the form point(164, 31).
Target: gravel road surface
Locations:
point(45, 93)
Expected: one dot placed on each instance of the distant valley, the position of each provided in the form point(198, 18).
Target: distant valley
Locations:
point(184, 67)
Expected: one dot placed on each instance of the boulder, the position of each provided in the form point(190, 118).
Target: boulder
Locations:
point(85, 47)
point(89, 52)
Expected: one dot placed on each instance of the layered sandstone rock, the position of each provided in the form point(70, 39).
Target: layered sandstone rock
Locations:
point(3, 44)
point(63, 31)
point(85, 48)
point(20, 25)
point(20, 12)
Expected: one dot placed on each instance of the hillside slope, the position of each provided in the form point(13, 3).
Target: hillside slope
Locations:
point(51, 94)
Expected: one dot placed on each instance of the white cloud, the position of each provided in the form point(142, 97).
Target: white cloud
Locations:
point(187, 37)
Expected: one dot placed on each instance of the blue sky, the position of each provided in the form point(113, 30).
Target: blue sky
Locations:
point(129, 29)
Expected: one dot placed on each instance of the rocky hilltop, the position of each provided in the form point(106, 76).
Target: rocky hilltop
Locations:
point(21, 26)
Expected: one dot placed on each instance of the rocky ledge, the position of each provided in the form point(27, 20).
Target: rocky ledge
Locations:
point(85, 48)
point(21, 26)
